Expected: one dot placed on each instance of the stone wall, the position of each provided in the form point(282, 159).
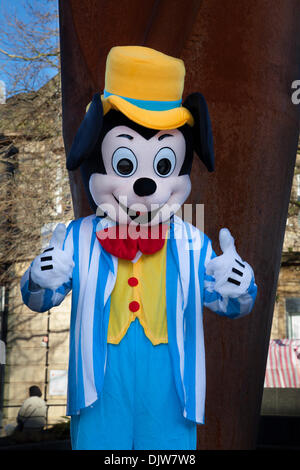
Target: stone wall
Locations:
point(37, 343)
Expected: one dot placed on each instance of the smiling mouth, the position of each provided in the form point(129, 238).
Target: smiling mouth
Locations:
point(137, 216)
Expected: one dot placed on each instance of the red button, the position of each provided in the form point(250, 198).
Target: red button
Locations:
point(134, 306)
point(132, 281)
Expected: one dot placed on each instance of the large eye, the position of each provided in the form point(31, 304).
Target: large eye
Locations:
point(124, 162)
point(164, 162)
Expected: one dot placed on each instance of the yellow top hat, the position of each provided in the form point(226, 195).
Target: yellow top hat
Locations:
point(146, 86)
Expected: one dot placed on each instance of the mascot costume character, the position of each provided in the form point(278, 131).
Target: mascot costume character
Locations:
point(140, 276)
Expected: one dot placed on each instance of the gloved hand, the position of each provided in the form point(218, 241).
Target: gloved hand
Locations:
point(54, 266)
point(232, 275)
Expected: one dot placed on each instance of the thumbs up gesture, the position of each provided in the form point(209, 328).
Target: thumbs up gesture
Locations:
point(54, 266)
point(232, 275)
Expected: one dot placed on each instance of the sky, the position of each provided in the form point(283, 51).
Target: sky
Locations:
point(8, 7)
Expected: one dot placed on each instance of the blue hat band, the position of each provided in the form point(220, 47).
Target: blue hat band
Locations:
point(148, 104)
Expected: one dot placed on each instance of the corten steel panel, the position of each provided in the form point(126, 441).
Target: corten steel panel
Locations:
point(243, 57)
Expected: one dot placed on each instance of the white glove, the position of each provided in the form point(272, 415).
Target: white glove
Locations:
point(54, 266)
point(233, 276)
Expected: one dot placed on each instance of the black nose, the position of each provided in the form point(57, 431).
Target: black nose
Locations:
point(144, 187)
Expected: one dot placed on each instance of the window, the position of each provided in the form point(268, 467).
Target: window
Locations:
point(293, 317)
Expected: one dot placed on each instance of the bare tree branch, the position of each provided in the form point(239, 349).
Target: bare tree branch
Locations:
point(29, 45)
point(34, 183)
point(29, 59)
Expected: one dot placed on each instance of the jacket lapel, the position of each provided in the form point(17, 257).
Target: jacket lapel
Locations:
point(179, 259)
point(108, 264)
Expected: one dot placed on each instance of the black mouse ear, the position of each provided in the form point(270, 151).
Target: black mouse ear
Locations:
point(87, 134)
point(202, 131)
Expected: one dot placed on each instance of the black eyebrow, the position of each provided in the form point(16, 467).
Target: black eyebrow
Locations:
point(127, 136)
point(161, 137)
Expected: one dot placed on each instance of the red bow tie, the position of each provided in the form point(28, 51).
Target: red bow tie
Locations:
point(125, 241)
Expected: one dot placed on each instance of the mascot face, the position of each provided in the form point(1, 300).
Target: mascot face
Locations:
point(134, 174)
point(135, 145)
point(142, 183)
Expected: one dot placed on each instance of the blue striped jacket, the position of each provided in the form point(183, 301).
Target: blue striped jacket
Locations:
point(188, 289)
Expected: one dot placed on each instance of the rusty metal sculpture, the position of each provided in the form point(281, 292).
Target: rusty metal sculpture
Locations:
point(243, 57)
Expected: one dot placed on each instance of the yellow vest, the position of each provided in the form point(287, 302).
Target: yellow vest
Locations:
point(140, 292)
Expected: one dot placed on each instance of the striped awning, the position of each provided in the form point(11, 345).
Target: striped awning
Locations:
point(283, 364)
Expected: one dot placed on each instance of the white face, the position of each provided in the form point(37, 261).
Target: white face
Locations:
point(142, 184)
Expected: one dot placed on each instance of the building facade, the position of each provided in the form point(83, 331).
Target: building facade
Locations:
point(34, 197)
point(283, 366)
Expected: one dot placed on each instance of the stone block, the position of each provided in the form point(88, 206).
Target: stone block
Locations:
point(22, 340)
point(56, 414)
point(281, 402)
point(59, 320)
point(20, 373)
point(58, 357)
point(58, 339)
point(27, 322)
point(26, 357)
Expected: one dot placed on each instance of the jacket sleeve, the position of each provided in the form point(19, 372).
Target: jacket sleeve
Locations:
point(39, 299)
point(226, 306)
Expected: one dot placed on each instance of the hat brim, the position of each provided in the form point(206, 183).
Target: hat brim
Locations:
point(161, 120)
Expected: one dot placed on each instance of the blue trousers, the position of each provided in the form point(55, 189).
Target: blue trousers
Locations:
point(139, 407)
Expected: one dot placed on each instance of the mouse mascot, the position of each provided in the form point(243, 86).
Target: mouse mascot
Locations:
point(140, 275)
